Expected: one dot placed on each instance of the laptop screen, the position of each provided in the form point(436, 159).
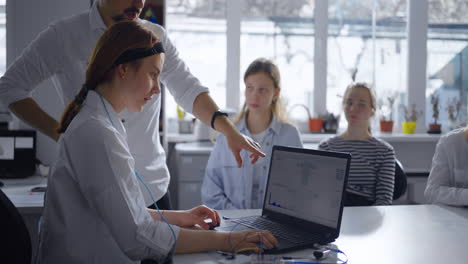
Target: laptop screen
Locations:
point(306, 184)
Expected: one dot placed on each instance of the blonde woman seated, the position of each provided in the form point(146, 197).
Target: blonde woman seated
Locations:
point(448, 180)
point(263, 118)
point(372, 170)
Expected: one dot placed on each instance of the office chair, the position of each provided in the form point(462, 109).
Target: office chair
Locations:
point(399, 188)
point(15, 242)
point(400, 180)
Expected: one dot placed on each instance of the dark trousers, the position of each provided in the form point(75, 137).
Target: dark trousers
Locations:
point(163, 204)
point(352, 199)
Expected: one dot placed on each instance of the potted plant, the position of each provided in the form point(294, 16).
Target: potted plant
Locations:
point(411, 117)
point(434, 128)
point(330, 123)
point(386, 113)
point(315, 124)
point(453, 109)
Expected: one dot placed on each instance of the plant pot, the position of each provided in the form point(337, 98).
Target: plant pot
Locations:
point(386, 126)
point(315, 124)
point(434, 129)
point(408, 127)
point(330, 123)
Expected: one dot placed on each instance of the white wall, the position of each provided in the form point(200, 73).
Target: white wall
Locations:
point(25, 19)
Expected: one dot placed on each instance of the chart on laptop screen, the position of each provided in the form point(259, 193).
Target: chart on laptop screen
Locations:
point(306, 186)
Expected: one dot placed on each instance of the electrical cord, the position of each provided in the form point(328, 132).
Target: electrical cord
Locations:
point(305, 260)
point(295, 260)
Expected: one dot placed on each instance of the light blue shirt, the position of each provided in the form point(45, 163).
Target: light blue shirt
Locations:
point(226, 186)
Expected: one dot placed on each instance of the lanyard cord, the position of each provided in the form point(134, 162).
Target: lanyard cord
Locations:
point(139, 177)
point(296, 260)
point(305, 261)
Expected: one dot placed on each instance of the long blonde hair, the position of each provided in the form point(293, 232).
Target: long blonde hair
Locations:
point(262, 65)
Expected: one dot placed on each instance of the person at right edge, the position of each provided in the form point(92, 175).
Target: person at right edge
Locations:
point(448, 179)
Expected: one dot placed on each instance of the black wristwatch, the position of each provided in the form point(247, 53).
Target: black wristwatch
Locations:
point(216, 114)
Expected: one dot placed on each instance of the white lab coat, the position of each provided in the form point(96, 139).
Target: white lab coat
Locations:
point(448, 180)
point(61, 52)
point(94, 210)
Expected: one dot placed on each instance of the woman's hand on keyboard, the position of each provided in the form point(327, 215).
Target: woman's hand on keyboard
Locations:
point(249, 240)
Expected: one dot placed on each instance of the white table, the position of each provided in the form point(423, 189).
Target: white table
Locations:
point(19, 192)
point(427, 234)
point(29, 204)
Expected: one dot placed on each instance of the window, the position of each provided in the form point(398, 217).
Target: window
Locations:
point(198, 30)
point(4, 113)
point(363, 50)
point(447, 63)
point(282, 31)
point(367, 42)
point(2, 37)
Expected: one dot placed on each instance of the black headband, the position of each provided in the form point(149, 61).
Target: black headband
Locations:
point(135, 54)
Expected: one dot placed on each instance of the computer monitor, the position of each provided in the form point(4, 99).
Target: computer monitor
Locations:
point(17, 153)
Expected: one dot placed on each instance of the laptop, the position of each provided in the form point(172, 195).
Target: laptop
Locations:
point(303, 203)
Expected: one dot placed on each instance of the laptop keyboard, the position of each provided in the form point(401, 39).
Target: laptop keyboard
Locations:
point(286, 232)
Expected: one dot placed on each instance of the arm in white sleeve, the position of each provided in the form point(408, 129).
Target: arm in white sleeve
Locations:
point(104, 169)
point(38, 61)
point(176, 76)
point(213, 194)
point(440, 188)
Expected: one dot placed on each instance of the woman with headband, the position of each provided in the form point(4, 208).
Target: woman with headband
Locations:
point(94, 210)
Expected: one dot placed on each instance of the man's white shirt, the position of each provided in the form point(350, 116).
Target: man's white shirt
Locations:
point(61, 52)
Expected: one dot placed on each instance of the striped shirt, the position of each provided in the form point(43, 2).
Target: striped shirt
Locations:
point(372, 170)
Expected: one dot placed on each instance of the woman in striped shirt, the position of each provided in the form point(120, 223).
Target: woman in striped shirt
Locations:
point(372, 170)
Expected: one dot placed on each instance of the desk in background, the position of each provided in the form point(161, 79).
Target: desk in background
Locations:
point(19, 192)
point(188, 161)
point(402, 234)
point(29, 204)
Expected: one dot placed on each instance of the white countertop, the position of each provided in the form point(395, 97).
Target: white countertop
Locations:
point(317, 137)
point(389, 137)
point(413, 151)
point(19, 192)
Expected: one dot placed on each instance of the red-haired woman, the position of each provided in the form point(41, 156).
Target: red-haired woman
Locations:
point(94, 211)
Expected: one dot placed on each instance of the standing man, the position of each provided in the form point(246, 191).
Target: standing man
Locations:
point(62, 51)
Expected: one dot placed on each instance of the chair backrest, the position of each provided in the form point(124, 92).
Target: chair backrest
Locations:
point(400, 181)
point(15, 242)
